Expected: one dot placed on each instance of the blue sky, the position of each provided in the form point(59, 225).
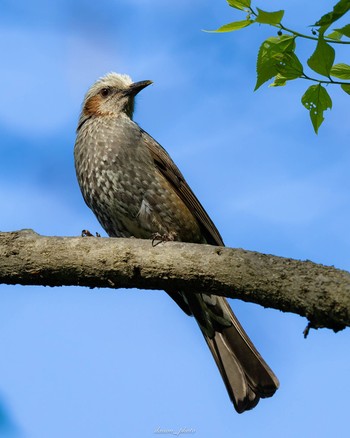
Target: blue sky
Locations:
point(102, 363)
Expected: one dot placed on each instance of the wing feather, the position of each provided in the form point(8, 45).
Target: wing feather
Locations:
point(170, 171)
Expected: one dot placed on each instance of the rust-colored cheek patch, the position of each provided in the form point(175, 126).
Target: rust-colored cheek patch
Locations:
point(93, 106)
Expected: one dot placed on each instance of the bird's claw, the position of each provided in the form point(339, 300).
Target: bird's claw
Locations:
point(86, 233)
point(158, 238)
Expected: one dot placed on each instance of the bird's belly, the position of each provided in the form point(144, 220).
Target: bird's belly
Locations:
point(130, 197)
point(144, 208)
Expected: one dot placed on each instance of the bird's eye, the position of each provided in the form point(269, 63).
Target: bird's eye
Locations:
point(105, 92)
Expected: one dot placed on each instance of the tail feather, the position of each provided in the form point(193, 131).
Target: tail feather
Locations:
point(240, 393)
point(245, 373)
point(259, 375)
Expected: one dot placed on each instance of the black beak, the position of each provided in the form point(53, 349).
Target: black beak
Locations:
point(136, 87)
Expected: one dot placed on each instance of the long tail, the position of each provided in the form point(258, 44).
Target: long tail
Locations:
point(245, 373)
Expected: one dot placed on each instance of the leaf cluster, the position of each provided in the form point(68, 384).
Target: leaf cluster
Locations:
point(277, 58)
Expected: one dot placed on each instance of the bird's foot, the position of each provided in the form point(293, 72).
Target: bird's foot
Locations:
point(86, 233)
point(158, 238)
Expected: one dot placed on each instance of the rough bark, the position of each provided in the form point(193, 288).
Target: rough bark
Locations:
point(320, 293)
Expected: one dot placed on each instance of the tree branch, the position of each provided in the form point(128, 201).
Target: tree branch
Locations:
point(320, 293)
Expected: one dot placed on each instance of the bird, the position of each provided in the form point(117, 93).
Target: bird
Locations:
point(135, 189)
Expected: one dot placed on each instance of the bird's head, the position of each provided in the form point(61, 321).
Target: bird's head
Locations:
point(112, 94)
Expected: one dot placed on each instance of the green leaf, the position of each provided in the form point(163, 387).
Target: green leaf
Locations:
point(289, 65)
point(279, 81)
point(230, 27)
point(316, 100)
point(239, 4)
point(266, 66)
point(346, 88)
point(344, 30)
point(322, 59)
point(339, 9)
point(337, 36)
point(341, 71)
point(269, 17)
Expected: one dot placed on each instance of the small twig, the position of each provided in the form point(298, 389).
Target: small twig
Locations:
point(298, 34)
point(321, 81)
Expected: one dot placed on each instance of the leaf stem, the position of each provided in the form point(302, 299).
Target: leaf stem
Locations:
point(298, 34)
point(320, 81)
point(302, 35)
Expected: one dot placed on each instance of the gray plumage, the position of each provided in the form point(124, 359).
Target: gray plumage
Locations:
point(135, 189)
